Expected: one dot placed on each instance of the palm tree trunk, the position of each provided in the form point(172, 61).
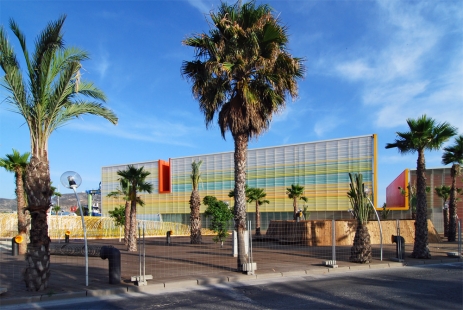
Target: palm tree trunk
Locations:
point(241, 146)
point(127, 223)
point(132, 244)
point(445, 213)
point(195, 219)
point(257, 219)
point(37, 272)
point(361, 250)
point(295, 209)
point(420, 247)
point(22, 223)
point(452, 233)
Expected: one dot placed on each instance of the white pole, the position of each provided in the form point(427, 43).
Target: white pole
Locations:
point(380, 228)
point(85, 236)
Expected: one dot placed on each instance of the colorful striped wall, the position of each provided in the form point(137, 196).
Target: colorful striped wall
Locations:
point(321, 167)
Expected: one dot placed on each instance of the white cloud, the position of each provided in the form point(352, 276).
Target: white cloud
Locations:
point(327, 124)
point(354, 70)
point(413, 71)
point(102, 64)
point(204, 6)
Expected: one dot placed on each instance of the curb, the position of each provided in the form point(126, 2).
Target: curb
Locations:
point(156, 287)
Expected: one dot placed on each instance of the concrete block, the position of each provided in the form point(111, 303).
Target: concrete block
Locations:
point(339, 269)
point(150, 288)
point(396, 264)
point(178, 284)
point(360, 267)
point(317, 271)
point(241, 278)
point(212, 281)
point(269, 275)
point(379, 266)
point(47, 297)
point(294, 273)
point(105, 292)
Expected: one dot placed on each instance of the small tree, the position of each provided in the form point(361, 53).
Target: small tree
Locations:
point(220, 215)
point(361, 250)
point(17, 163)
point(296, 192)
point(135, 177)
point(118, 216)
point(56, 209)
point(257, 195)
point(123, 192)
point(385, 212)
point(443, 192)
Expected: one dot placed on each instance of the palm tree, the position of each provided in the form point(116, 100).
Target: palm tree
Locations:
point(242, 72)
point(123, 191)
point(361, 249)
point(443, 192)
point(257, 195)
point(296, 192)
point(17, 163)
point(424, 134)
point(49, 95)
point(195, 203)
point(453, 155)
point(135, 177)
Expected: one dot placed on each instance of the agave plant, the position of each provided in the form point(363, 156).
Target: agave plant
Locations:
point(361, 250)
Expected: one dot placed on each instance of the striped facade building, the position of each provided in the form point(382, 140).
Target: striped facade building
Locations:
point(321, 167)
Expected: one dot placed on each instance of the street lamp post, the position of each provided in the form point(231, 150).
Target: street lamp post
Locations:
point(367, 191)
point(72, 180)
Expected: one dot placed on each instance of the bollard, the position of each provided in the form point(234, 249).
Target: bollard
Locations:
point(399, 247)
point(169, 232)
point(114, 257)
point(14, 247)
point(66, 238)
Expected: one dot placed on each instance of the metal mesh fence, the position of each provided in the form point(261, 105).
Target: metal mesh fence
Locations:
point(283, 246)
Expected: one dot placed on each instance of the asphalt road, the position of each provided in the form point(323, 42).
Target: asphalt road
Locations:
point(418, 287)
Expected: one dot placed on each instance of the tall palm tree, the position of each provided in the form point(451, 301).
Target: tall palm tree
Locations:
point(17, 163)
point(135, 177)
point(453, 155)
point(50, 94)
point(361, 249)
point(296, 192)
point(123, 191)
point(243, 72)
point(257, 195)
point(443, 192)
point(195, 203)
point(424, 134)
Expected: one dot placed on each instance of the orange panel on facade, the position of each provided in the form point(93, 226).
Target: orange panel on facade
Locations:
point(164, 176)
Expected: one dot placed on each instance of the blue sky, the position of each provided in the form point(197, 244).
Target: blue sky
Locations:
point(370, 65)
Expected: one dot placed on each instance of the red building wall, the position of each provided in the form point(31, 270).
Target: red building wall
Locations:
point(437, 177)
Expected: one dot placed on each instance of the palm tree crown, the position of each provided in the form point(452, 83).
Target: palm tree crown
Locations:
point(454, 154)
point(296, 192)
point(15, 162)
point(54, 92)
point(242, 69)
point(424, 134)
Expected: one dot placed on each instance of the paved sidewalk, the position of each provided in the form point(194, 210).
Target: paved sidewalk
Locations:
point(183, 265)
